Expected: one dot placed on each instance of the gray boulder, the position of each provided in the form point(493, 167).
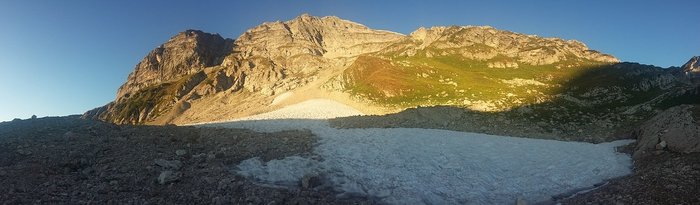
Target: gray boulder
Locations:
point(166, 177)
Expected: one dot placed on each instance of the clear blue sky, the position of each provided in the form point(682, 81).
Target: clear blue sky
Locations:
point(65, 57)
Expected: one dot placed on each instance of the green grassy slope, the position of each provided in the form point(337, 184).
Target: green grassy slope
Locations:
point(454, 80)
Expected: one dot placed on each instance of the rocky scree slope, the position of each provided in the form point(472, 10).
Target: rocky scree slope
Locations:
point(667, 163)
point(676, 129)
point(560, 85)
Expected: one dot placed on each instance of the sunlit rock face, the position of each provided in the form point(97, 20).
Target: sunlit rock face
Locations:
point(266, 60)
point(186, 53)
point(485, 43)
point(692, 67)
point(279, 56)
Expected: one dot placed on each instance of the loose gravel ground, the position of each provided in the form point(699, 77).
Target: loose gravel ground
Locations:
point(66, 160)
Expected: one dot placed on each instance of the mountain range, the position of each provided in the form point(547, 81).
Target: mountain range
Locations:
point(560, 86)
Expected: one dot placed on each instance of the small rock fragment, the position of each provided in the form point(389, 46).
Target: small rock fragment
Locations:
point(169, 164)
point(180, 152)
point(88, 171)
point(310, 181)
point(168, 177)
point(211, 157)
point(24, 152)
point(661, 145)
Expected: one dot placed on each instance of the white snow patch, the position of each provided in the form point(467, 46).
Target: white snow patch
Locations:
point(281, 97)
point(310, 109)
point(427, 166)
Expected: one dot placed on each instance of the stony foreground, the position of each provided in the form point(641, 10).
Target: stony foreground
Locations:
point(668, 178)
point(66, 160)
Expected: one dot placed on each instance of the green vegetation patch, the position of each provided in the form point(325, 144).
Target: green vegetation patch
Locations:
point(409, 81)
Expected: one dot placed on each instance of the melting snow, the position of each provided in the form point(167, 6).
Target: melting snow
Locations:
point(427, 166)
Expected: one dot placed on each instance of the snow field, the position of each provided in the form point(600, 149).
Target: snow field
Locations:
point(427, 166)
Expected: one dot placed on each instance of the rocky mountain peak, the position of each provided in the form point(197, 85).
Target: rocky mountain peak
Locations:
point(187, 52)
point(280, 55)
point(328, 36)
point(427, 35)
point(692, 67)
point(486, 43)
point(305, 17)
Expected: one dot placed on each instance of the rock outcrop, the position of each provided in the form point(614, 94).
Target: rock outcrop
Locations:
point(487, 43)
point(185, 53)
point(692, 67)
point(279, 56)
point(676, 129)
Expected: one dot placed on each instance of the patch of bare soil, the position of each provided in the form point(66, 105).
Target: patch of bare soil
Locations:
point(66, 160)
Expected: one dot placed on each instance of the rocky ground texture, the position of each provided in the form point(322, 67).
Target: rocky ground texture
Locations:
point(66, 160)
point(667, 163)
point(667, 178)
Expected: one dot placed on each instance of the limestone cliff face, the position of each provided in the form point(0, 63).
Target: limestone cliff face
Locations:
point(185, 53)
point(265, 60)
point(329, 37)
point(280, 56)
